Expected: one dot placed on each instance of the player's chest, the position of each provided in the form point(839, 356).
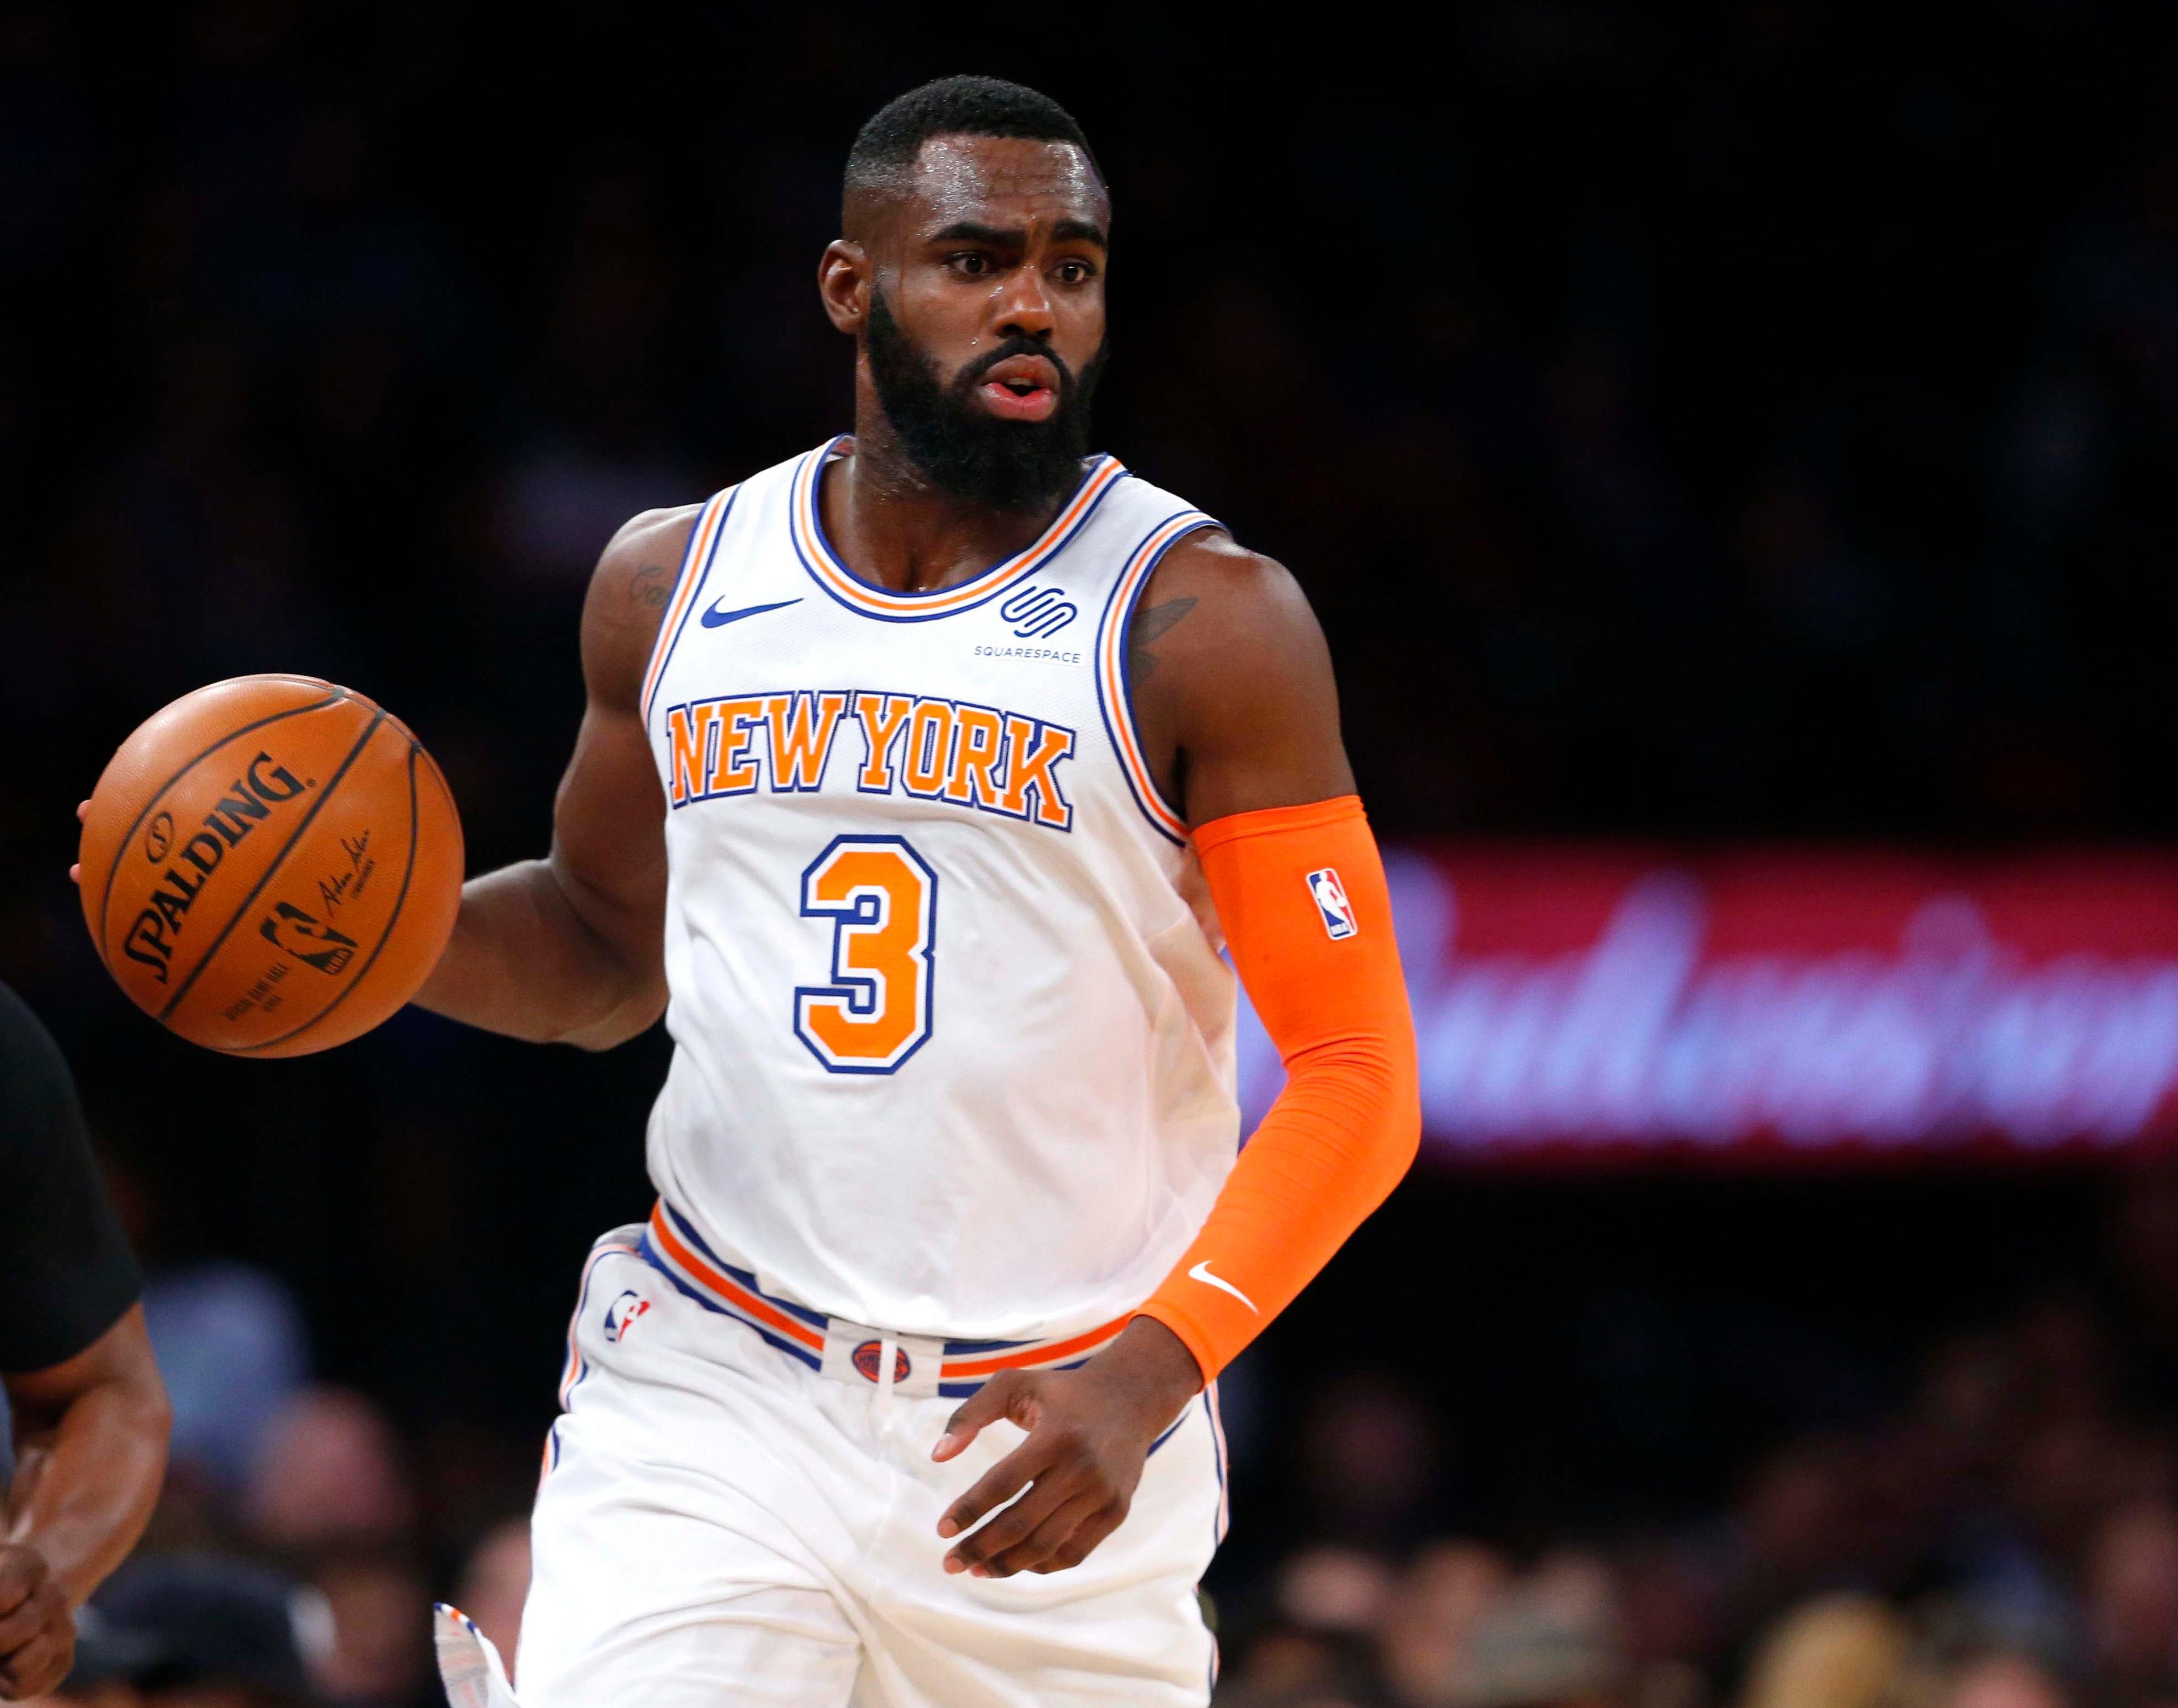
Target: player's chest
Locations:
point(775, 689)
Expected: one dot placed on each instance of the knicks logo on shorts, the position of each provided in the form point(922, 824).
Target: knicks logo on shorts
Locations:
point(620, 1315)
point(869, 1359)
point(1331, 903)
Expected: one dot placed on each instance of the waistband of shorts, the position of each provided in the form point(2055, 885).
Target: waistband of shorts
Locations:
point(851, 1352)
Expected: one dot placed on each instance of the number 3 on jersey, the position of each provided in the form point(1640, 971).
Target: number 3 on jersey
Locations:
point(882, 902)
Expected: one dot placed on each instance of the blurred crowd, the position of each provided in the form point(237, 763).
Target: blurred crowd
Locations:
point(2006, 1539)
point(302, 1536)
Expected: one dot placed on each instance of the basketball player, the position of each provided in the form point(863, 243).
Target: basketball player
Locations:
point(922, 779)
point(90, 1413)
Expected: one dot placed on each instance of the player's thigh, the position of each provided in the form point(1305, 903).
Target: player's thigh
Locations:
point(633, 1604)
point(1125, 1626)
point(678, 1535)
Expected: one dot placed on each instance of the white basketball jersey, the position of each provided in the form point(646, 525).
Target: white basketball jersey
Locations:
point(953, 1036)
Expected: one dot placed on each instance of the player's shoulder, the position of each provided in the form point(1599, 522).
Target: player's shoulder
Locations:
point(1234, 592)
point(1220, 630)
point(644, 555)
point(629, 591)
point(1194, 550)
point(1210, 559)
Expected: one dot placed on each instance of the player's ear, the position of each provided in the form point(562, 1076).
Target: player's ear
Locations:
point(844, 282)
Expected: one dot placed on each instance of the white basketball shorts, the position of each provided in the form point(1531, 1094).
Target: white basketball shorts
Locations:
point(719, 1523)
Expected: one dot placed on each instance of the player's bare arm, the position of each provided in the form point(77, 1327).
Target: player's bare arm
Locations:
point(1238, 713)
point(90, 1454)
point(1234, 692)
point(568, 949)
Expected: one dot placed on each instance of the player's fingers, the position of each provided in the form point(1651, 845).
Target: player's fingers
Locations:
point(21, 1572)
point(29, 1616)
point(994, 1399)
point(1077, 1547)
point(996, 1486)
point(75, 874)
point(1051, 1534)
point(19, 1628)
point(39, 1665)
point(1010, 1528)
point(31, 1665)
point(82, 811)
point(33, 1635)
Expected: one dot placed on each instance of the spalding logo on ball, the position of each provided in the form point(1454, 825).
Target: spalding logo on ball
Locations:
point(272, 866)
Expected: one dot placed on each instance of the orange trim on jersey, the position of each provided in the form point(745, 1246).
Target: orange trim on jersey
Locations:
point(1112, 683)
point(732, 1293)
point(703, 540)
point(724, 1285)
point(845, 585)
point(1300, 892)
point(1048, 1352)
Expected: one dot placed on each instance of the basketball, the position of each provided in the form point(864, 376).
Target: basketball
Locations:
point(272, 866)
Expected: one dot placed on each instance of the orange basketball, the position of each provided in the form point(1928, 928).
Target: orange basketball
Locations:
point(271, 866)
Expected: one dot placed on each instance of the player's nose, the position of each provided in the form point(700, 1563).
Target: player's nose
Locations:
point(1024, 306)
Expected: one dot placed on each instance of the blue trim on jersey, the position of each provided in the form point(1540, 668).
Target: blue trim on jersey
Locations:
point(1218, 1457)
point(1171, 1430)
point(817, 1319)
point(1126, 669)
point(817, 521)
point(578, 1368)
point(742, 1278)
point(695, 598)
point(964, 1349)
point(651, 1256)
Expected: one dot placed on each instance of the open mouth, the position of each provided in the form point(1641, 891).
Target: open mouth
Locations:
point(1021, 388)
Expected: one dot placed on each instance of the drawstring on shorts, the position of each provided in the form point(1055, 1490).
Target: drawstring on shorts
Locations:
point(888, 1354)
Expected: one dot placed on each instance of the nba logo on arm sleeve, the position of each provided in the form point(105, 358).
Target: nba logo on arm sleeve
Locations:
point(1331, 902)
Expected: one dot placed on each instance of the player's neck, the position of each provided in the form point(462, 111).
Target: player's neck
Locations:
point(893, 527)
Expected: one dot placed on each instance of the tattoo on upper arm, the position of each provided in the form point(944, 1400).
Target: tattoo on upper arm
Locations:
point(1151, 623)
point(650, 586)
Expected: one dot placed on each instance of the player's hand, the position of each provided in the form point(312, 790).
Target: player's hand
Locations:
point(75, 872)
point(37, 1628)
point(1089, 1432)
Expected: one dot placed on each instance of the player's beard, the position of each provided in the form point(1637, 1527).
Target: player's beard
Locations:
point(960, 446)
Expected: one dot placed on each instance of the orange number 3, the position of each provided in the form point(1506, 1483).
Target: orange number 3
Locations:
point(882, 902)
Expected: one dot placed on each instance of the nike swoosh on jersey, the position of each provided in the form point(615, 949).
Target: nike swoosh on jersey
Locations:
point(715, 618)
point(1200, 1272)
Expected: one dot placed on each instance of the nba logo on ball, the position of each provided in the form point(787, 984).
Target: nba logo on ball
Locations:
point(621, 1316)
point(1331, 903)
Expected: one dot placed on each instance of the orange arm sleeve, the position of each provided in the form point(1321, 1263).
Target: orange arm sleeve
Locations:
point(1300, 892)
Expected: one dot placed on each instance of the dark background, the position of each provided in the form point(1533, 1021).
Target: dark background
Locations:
point(1753, 421)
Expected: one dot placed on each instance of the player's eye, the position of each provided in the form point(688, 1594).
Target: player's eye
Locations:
point(1075, 272)
point(972, 263)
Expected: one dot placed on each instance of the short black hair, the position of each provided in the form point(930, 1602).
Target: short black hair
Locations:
point(888, 146)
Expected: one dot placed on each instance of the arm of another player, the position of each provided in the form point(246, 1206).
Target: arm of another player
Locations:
point(90, 1452)
point(570, 948)
point(1238, 711)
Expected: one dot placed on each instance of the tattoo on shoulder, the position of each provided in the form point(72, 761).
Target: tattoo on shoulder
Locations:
point(1152, 622)
point(650, 586)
